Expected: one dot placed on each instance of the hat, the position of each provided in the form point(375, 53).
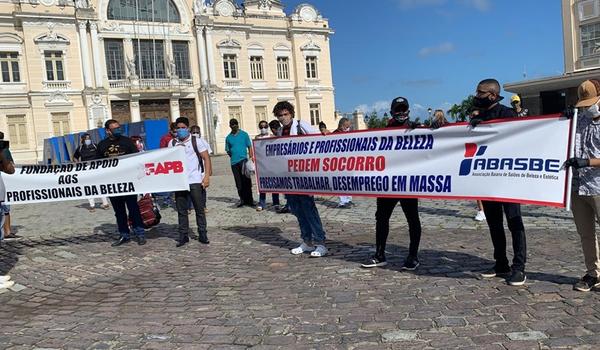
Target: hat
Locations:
point(399, 105)
point(515, 98)
point(588, 93)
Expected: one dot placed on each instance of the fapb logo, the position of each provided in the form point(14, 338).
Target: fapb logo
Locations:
point(474, 161)
point(164, 168)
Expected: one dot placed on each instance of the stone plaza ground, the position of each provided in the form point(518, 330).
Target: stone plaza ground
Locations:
point(244, 290)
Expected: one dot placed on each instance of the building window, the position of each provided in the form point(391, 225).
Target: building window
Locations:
point(235, 112)
point(9, 66)
point(283, 68)
point(261, 114)
point(150, 59)
point(60, 124)
point(181, 56)
point(588, 9)
point(143, 10)
point(115, 60)
point(315, 113)
point(230, 66)
point(311, 67)
point(17, 131)
point(256, 68)
point(54, 65)
point(590, 39)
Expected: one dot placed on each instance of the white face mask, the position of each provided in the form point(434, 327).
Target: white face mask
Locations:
point(196, 135)
point(264, 131)
point(594, 111)
point(87, 142)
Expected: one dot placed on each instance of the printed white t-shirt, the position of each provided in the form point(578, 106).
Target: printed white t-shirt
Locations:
point(192, 166)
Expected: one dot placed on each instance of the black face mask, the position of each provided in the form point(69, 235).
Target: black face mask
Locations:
point(482, 102)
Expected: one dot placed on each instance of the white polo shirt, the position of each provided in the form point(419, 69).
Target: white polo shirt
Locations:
point(192, 166)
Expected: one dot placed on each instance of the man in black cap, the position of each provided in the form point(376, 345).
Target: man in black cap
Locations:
point(487, 101)
point(385, 206)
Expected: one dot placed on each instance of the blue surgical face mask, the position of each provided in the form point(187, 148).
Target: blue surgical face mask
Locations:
point(183, 133)
point(116, 132)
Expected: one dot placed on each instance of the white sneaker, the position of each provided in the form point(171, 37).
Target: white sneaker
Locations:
point(319, 251)
point(4, 278)
point(480, 216)
point(7, 284)
point(301, 249)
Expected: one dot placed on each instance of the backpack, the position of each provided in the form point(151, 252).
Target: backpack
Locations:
point(149, 211)
point(195, 146)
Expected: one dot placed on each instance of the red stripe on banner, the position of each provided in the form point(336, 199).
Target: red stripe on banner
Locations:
point(416, 195)
point(470, 149)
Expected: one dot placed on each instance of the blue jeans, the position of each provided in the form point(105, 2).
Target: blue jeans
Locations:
point(121, 205)
point(304, 208)
point(1, 223)
point(262, 199)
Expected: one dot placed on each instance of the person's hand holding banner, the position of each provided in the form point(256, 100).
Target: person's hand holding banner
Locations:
point(577, 163)
point(475, 121)
point(412, 124)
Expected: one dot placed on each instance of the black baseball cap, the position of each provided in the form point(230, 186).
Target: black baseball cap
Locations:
point(399, 105)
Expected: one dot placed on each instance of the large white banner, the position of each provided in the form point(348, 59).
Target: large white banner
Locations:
point(516, 160)
point(147, 172)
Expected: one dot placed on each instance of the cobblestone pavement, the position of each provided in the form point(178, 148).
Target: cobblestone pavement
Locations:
point(245, 290)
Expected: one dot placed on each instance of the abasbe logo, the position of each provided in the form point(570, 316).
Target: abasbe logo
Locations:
point(474, 161)
point(164, 168)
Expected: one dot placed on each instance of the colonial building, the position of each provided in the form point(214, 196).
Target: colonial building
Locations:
point(69, 66)
point(581, 38)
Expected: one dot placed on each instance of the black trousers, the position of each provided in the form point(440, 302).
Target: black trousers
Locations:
point(197, 194)
point(493, 214)
point(121, 205)
point(385, 208)
point(243, 184)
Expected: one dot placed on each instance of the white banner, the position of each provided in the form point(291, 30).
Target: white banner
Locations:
point(515, 160)
point(147, 172)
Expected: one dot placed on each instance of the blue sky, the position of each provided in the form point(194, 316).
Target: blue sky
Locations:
point(434, 52)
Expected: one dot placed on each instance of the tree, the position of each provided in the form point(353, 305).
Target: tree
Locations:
point(375, 122)
point(460, 112)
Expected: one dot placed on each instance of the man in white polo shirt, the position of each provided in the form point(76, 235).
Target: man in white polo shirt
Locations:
point(198, 168)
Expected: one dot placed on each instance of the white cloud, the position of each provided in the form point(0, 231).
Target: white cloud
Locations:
point(379, 106)
point(438, 49)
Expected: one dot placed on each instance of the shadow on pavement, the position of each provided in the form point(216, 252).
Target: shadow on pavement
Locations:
point(9, 255)
point(445, 212)
point(437, 263)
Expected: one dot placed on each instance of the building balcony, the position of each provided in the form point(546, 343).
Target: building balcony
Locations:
point(56, 84)
point(232, 83)
point(151, 83)
point(186, 83)
point(312, 82)
point(119, 84)
point(155, 83)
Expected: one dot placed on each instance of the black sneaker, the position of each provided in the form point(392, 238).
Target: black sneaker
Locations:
point(284, 210)
point(374, 261)
point(517, 278)
point(411, 263)
point(493, 272)
point(586, 283)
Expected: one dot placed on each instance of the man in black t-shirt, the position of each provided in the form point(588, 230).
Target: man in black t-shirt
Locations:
point(115, 145)
point(487, 101)
point(385, 206)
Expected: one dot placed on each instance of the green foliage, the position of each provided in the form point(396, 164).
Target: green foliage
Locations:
point(375, 122)
point(460, 112)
